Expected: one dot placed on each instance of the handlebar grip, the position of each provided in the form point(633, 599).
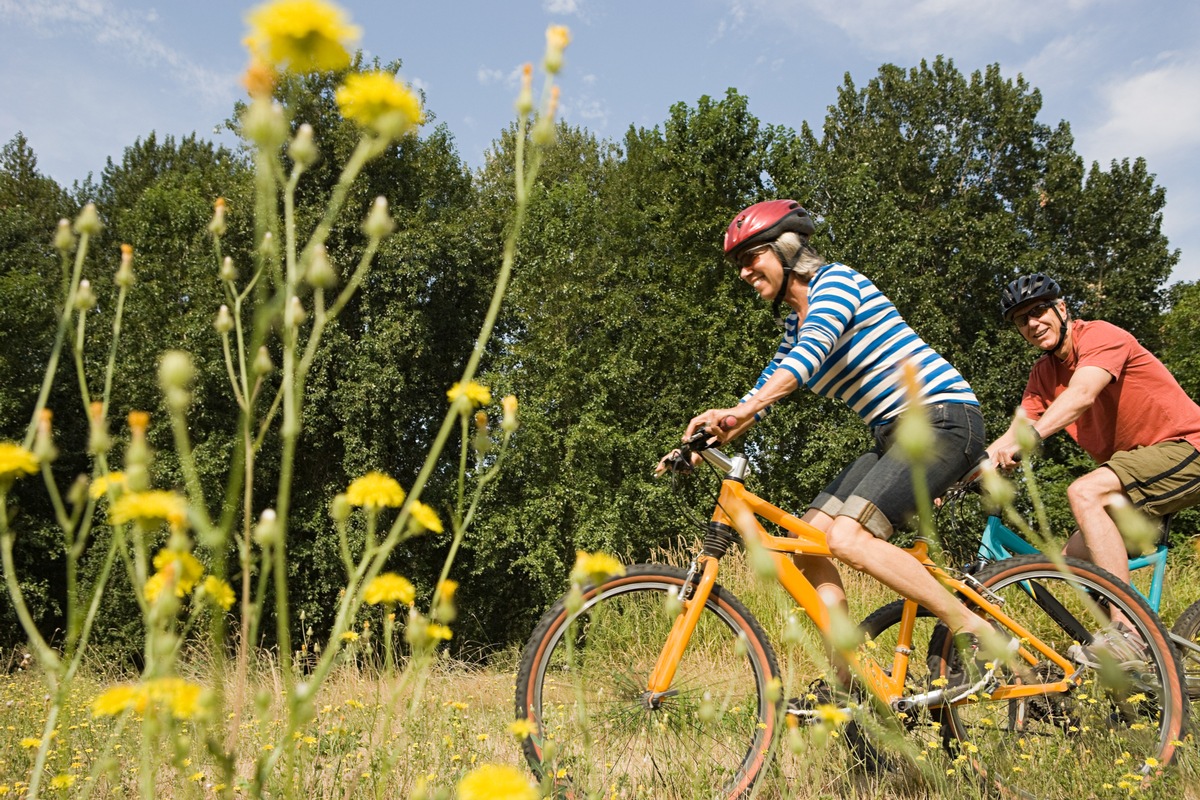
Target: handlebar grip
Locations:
point(728, 423)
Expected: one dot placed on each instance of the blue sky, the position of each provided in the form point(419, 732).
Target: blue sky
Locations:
point(82, 79)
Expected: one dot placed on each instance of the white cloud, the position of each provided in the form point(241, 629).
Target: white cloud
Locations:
point(562, 6)
point(917, 26)
point(126, 36)
point(1155, 113)
point(488, 76)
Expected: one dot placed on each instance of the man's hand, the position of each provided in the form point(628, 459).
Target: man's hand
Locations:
point(1004, 454)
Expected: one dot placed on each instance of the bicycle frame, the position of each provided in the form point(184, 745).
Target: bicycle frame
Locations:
point(739, 510)
point(1000, 542)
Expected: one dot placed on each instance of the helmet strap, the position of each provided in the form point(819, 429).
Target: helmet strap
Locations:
point(783, 286)
point(1062, 328)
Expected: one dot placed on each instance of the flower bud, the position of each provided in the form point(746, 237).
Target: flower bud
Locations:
point(997, 491)
point(267, 246)
point(137, 454)
point(340, 508)
point(175, 370)
point(224, 321)
point(379, 223)
point(321, 273)
point(64, 240)
point(98, 439)
point(85, 298)
point(228, 270)
point(915, 436)
point(125, 277)
point(175, 374)
point(293, 315)
point(302, 149)
point(483, 442)
point(557, 39)
point(1137, 530)
point(574, 601)
point(217, 226)
point(43, 442)
point(77, 495)
point(262, 362)
point(524, 102)
point(1028, 439)
point(266, 532)
point(263, 123)
point(509, 422)
point(88, 222)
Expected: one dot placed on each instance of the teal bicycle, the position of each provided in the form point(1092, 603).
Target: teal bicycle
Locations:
point(999, 542)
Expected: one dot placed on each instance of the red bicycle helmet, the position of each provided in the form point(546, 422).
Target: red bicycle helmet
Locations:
point(763, 223)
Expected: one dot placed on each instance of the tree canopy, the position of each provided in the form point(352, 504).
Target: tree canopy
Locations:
point(623, 320)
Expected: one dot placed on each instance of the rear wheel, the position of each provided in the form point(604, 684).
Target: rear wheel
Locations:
point(1187, 628)
point(583, 679)
point(1111, 725)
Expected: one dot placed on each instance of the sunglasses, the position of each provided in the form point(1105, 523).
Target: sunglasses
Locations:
point(747, 258)
point(1041, 308)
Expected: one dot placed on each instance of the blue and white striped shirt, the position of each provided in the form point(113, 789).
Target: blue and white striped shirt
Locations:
point(851, 345)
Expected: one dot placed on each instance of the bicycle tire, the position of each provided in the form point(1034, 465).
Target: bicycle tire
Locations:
point(1116, 727)
point(582, 681)
point(1187, 627)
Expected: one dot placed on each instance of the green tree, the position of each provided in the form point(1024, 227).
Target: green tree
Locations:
point(30, 277)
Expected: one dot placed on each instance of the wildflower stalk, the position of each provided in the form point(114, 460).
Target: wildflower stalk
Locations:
point(64, 321)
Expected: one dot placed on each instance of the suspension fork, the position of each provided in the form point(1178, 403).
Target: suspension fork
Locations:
point(693, 594)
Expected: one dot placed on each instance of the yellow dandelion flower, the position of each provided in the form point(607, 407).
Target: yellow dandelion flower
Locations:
point(301, 35)
point(524, 728)
point(375, 490)
point(180, 697)
point(219, 592)
point(437, 631)
point(472, 394)
point(150, 508)
point(426, 517)
point(349, 636)
point(181, 568)
point(496, 782)
point(29, 743)
point(118, 699)
point(154, 586)
point(831, 714)
point(446, 589)
point(378, 101)
point(389, 588)
point(16, 462)
point(100, 486)
point(595, 567)
point(62, 781)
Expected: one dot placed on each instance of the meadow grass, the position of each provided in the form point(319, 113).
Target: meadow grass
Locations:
point(376, 734)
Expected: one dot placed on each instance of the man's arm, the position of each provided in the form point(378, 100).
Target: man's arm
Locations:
point(1085, 386)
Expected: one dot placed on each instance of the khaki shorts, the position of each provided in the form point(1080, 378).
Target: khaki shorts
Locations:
point(1159, 479)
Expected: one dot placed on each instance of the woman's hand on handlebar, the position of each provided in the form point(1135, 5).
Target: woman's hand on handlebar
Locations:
point(722, 423)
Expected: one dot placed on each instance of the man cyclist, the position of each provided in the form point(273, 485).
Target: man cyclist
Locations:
point(843, 338)
point(1122, 406)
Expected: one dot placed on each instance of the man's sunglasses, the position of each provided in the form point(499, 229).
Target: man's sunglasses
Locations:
point(1041, 308)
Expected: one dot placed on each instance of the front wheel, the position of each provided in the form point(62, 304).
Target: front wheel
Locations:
point(583, 678)
point(1114, 724)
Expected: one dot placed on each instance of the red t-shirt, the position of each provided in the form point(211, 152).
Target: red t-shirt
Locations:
point(1141, 406)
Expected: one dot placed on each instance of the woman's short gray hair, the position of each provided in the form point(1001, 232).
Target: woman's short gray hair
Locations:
point(793, 249)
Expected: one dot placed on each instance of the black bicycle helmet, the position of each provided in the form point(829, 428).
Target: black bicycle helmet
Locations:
point(1025, 289)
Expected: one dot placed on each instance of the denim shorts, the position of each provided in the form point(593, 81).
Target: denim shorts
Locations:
point(877, 488)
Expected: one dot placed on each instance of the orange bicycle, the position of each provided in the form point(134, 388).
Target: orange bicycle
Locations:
point(660, 683)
